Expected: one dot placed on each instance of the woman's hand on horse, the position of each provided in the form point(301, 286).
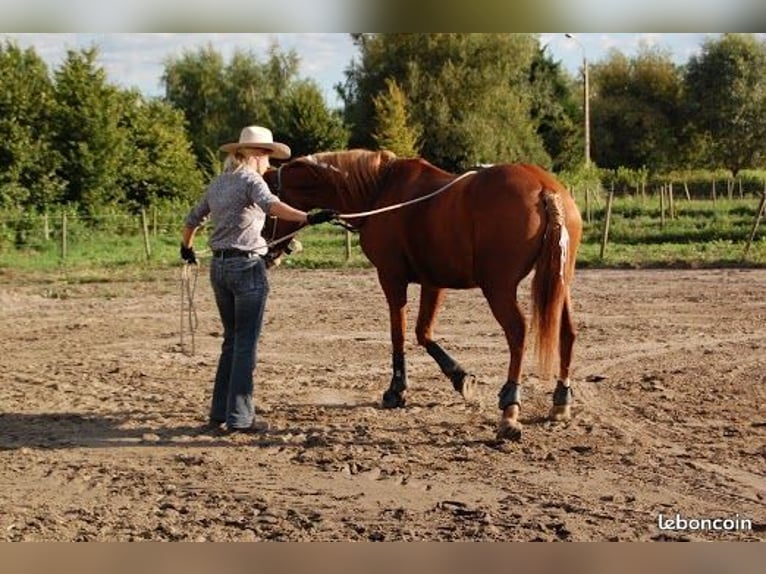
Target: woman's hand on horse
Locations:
point(188, 255)
point(321, 216)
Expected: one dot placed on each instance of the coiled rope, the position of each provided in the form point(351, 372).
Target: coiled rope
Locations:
point(189, 275)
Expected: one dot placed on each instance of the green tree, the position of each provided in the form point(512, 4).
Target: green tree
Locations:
point(159, 163)
point(726, 100)
point(395, 130)
point(556, 109)
point(306, 123)
point(255, 91)
point(196, 84)
point(635, 119)
point(219, 98)
point(28, 164)
point(470, 92)
point(86, 132)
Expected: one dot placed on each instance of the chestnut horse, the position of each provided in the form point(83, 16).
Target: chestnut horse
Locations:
point(486, 229)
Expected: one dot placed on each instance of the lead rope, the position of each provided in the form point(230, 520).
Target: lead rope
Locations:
point(343, 216)
point(188, 308)
point(371, 212)
point(405, 203)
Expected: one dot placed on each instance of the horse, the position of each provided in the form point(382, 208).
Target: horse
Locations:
point(486, 229)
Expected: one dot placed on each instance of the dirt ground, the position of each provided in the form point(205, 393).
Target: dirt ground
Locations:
point(102, 416)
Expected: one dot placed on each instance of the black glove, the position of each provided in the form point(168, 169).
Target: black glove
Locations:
point(321, 216)
point(188, 255)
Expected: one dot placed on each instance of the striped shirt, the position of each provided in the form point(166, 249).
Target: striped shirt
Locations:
point(237, 204)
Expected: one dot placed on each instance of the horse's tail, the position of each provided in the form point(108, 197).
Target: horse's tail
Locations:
point(549, 286)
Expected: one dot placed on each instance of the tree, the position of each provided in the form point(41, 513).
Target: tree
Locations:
point(218, 99)
point(159, 163)
point(79, 139)
point(395, 131)
point(86, 131)
point(726, 99)
point(556, 112)
point(196, 84)
point(255, 91)
point(470, 93)
point(28, 164)
point(635, 110)
point(307, 123)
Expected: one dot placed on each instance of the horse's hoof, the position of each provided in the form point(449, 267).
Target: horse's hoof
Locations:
point(468, 388)
point(509, 429)
point(561, 413)
point(393, 400)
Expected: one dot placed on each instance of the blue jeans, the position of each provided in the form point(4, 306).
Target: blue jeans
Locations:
point(241, 287)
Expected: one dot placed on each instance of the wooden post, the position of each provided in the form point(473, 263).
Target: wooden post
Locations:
point(662, 206)
point(715, 198)
point(46, 227)
point(756, 222)
point(671, 202)
point(348, 245)
point(740, 187)
point(587, 203)
point(145, 228)
point(686, 189)
point(63, 236)
point(607, 223)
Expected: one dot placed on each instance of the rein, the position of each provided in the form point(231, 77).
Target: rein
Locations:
point(278, 187)
point(405, 203)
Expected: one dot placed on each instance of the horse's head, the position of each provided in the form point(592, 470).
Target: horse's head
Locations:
point(304, 184)
point(342, 180)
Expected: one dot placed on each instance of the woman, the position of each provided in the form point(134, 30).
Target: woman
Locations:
point(238, 202)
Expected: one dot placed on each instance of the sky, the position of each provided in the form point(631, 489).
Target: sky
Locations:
point(137, 59)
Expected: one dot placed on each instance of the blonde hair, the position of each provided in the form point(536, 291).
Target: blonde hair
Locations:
point(235, 161)
point(238, 160)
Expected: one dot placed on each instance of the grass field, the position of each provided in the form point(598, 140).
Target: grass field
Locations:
point(702, 233)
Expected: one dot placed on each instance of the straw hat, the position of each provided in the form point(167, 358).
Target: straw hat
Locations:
point(257, 137)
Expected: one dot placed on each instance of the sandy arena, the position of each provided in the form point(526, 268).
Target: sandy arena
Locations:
point(102, 416)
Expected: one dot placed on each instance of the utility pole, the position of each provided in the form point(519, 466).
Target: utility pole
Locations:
point(586, 97)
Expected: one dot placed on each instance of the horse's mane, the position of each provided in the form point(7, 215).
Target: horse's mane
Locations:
point(362, 168)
